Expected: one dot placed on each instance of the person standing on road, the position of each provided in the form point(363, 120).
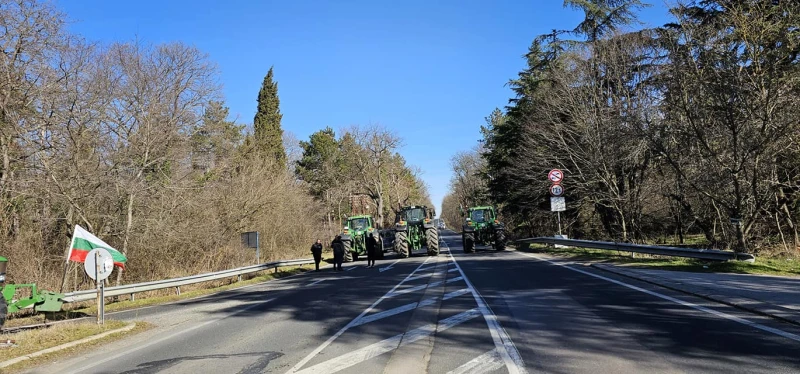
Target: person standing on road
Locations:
point(372, 246)
point(338, 252)
point(316, 250)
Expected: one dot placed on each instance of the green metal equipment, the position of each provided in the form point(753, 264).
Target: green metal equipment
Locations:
point(414, 229)
point(482, 227)
point(354, 237)
point(41, 301)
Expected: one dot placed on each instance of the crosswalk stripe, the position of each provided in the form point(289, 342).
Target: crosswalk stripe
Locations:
point(407, 307)
point(355, 357)
point(485, 363)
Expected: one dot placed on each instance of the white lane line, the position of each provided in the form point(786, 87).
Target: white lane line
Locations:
point(316, 281)
point(485, 363)
point(388, 267)
point(330, 340)
point(421, 276)
point(505, 347)
point(410, 306)
point(424, 286)
point(743, 321)
point(163, 338)
point(387, 345)
point(351, 268)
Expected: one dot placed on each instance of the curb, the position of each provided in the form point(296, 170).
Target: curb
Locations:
point(749, 305)
point(65, 345)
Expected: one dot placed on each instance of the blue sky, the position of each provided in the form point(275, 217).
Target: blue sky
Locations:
point(431, 70)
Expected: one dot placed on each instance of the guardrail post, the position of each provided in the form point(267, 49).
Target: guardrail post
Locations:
point(276, 270)
point(178, 290)
point(240, 278)
point(133, 297)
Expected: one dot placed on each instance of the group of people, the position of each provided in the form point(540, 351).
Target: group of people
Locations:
point(373, 246)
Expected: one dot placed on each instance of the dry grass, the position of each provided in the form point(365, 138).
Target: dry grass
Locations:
point(31, 341)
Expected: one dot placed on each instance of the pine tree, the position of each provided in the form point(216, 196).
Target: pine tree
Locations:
point(267, 122)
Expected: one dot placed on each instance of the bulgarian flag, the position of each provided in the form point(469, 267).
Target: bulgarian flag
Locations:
point(83, 242)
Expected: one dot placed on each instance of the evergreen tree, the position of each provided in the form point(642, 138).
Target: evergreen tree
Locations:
point(267, 122)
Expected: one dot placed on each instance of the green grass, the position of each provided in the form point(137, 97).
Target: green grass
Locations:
point(762, 265)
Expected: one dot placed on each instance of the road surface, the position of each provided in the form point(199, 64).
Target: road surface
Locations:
point(487, 312)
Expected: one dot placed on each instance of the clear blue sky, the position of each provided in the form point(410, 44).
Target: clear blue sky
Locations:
point(432, 70)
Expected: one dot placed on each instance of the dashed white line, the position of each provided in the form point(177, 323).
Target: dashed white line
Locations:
point(743, 321)
point(387, 345)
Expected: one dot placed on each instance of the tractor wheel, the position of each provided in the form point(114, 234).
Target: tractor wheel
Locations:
point(432, 239)
point(348, 256)
point(500, 240)
point(468, 241)
point(401, 244)
point(3, 309)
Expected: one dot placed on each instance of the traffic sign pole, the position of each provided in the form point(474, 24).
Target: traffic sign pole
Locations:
point(99, 283)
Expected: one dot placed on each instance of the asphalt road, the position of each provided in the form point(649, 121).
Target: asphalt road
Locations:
point(487, 312)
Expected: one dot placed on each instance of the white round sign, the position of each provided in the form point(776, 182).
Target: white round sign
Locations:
point(106, 264)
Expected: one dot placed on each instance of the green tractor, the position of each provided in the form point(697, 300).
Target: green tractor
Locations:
point(414, 229)
point(354, 237)
point(41, 301)
point(482, 227)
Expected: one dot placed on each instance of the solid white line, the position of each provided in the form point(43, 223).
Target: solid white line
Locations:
point(743, 321)
point(163, 338)
point(355, 357)
point(330, 340)
point(351, 268)
point(316, 281)
point(407, 307)
point(505, 347)
point(485, 363)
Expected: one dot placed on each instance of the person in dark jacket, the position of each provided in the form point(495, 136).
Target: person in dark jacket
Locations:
point(316, 250)
point(372, 250)
point(338, 252)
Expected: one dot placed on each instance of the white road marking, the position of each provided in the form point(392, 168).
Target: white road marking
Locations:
point(743, 321)
point(351, 268)
point(317, 281)
point(407, 307)
point(485, 363)
point(388, 267)
point(424, 286)
point(163, 338)
point(330, 340)
point(505, 347)
point(387, 345)
point(433, 266)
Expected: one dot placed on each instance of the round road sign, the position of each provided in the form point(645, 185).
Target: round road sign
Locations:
point(106, 264)
point(555, 176)
point(556, 190)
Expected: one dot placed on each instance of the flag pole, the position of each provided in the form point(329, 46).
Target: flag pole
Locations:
point(66, 263)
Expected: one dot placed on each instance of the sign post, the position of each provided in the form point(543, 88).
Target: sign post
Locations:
point(98, 265)
point(557, 202)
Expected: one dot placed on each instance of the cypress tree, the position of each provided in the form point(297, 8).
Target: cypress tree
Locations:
point(267, 122)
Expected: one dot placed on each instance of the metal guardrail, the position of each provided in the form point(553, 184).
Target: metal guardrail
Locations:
point(132, 289)
point(703, 254)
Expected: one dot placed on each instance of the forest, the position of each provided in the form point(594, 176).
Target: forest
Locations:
point(687, 133)
point(134, 142)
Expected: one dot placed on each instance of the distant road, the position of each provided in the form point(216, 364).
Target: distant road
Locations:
point(488, 312)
